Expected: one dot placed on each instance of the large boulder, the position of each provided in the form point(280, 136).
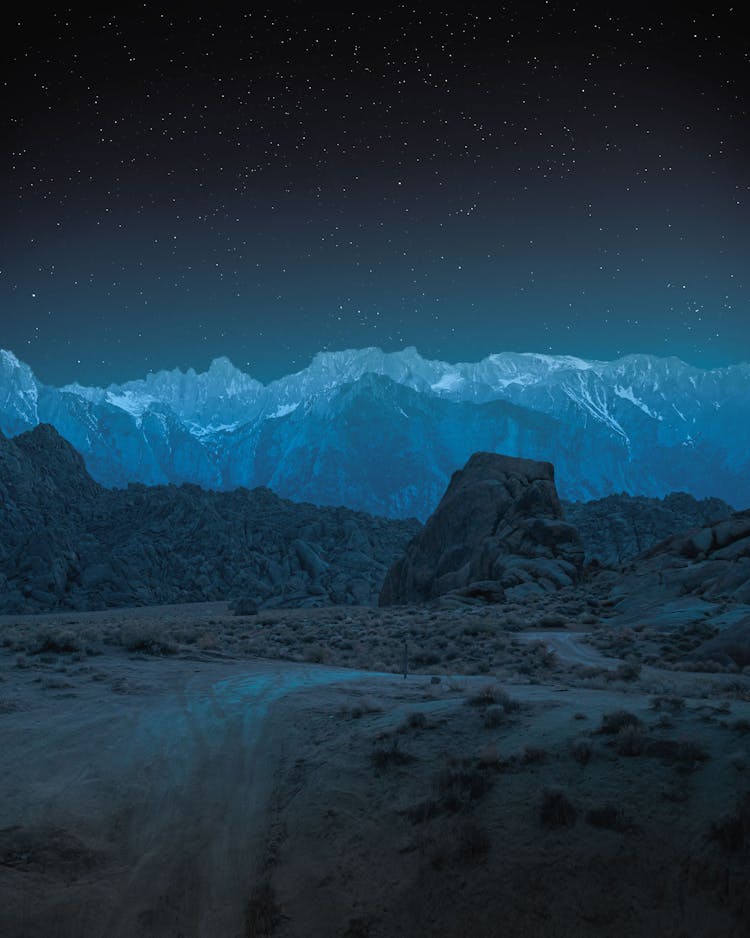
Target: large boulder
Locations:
point(498, 531)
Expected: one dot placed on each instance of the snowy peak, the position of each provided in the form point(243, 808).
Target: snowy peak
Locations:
point(641, 424)
point(19, 395)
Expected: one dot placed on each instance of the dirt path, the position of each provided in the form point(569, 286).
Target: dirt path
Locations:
point(570, 647)
point(136, 808)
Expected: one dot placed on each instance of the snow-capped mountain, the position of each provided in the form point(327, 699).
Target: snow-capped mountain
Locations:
point(383, 431)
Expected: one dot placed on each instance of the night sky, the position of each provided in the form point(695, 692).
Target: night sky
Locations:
point(531, 177)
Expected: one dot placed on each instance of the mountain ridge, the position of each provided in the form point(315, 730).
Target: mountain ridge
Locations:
point(640, 424)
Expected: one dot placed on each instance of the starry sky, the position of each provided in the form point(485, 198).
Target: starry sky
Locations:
point(535, 176)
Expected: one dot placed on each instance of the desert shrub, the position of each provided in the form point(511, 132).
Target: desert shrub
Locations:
point(56, 642)
point(262, 913)
point(414, 721)
point(613, 722)
point(316, 654)
point(552, 620)
point(490, 755)
point(531, 755)
point(244, 607)
point(670, 704)
point(384, 757)
point(629, 669)
point(207, 642)
point(456, 785)
point(609, 816)
point(685, 753)
point(582, 751)
point(357, 928)
point(493, 717)
point(556, 809)
point(493, 694)
point(146, 637)
point(733, 831)
point(473, 842)
point(365, 706)
point(630, 741)
point(738, 760)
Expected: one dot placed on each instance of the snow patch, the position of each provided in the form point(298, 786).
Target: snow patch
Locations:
point(450, 381)
point(627, 395)
point(133, 404)
point(282, 410)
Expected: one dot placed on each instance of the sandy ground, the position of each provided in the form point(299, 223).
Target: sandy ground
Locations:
point(203, 794)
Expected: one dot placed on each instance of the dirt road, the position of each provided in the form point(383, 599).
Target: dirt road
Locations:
point(135, 808)
point(570, 647)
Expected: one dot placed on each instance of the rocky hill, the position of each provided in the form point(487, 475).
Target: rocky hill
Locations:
point(67, 542)
point(616, 529)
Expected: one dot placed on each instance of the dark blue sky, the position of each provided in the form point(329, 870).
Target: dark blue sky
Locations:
point(271, 184)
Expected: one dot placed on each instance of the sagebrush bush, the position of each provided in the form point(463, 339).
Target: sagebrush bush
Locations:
point(556, 809)
point(383, 757)
point(610, 817)
point(493, 695)
point(630, 741)
point(582, 751)
point(613, 722)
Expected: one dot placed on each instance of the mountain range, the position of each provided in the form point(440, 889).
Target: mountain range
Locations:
point(383, 431)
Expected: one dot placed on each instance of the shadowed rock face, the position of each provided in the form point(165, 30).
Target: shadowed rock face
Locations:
point(68, 543)
point(498, 531)
point(618, 528)
point(705, 564)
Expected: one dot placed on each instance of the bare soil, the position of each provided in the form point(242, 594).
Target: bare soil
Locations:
point(158, 778)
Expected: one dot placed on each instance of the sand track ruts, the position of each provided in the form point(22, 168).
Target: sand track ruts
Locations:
point(138, 809)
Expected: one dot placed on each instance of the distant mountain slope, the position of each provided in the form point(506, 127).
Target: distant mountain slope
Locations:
point(384, 431)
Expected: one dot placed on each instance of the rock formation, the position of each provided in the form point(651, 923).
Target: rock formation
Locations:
point(618, 528)
point(498, 532)
point(66, 542)
point(689, 576)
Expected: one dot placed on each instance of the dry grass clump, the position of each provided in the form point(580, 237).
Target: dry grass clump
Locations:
point(414, 721)
point(365, 706)
point(262, 912)
point(685, 753)
point(494, 716)
point(613, 723)
point(148, 638)
point(610, 817)
point(457, 787)
point(385, 757)
point(473, 842)
point(532, 755)
point(582, 751)
point(49, 640)
point(493, 694)
point(667, 703)
point(556, 809)
point(732, 832)
point(630, 740)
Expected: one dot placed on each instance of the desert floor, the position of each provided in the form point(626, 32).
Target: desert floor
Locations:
point(163, 772)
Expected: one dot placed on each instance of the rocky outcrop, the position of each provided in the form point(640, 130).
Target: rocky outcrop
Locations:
point(66, 542)
point(730, 648)
point(618, 528)
point(690, 575)
point(498, 531)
